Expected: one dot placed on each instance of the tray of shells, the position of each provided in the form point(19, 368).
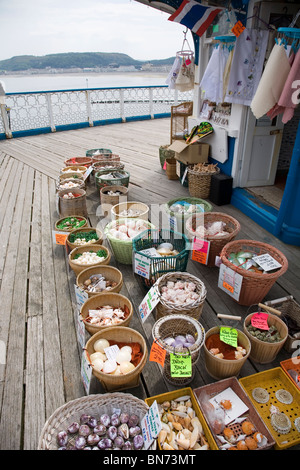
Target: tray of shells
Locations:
point(232, 418)
point(183, 425)
point(277, 400)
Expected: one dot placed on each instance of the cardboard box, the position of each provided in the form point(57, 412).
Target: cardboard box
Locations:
point(190, 153)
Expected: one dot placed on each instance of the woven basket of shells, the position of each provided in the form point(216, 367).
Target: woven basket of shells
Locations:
point(180, 293)
point(181, 337)
point(97, 414)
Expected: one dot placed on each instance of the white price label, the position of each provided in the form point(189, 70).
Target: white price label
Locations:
point(149, 303)
point(81, 297)
point(151, 425)
point(142, 265)
point(86, 372)
point(266, 262)
point(230, 282)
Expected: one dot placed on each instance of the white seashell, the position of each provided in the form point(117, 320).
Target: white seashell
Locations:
point(123, 356)
point(97, 355)
point(101, 344)
point(126, 367)
point(109, 366)
point(98, 364)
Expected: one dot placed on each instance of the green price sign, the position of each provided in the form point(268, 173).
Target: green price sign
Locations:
point(181, 366)
point(229, 336)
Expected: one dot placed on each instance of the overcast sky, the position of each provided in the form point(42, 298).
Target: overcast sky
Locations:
point(40, 27)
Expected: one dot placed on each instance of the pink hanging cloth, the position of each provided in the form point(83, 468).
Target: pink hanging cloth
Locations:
point(290, 95)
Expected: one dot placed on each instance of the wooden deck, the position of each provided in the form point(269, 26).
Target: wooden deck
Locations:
point(37, 322)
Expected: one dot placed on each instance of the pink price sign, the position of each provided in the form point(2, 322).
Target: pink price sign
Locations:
point(260, 320)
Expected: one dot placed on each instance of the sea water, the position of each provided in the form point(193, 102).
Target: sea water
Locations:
point(70, 81)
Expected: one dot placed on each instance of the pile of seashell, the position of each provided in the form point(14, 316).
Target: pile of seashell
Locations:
point(180, 292)
point(181, 428)
point(128, 229)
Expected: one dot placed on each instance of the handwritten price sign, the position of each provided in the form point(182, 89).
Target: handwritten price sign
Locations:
point(157, 354)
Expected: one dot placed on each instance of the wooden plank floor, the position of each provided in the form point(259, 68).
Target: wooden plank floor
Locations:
point(41, 370)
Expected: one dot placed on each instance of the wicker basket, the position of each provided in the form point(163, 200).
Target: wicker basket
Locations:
point(99, 241)
point(122, 249)
point(289, 309)
point(162, 264)
point(78, 176)
point(109, 272)
point(208, 392)
point(171, 169)
point(102, 165)
point(261, 351)
point(232, 228)
point(79, 183)
point(77, 268)
point(181, 218)
point(173, 325)
point(223, 368)
point(92, 405)
point(106, 158)
point(142, 208)
point(122, 180)
point(199, 183)
point(254, 286)
point(100, 300)
point(81, 161)
point(74, 169)
point(80, 219)
point(165, 153)
point(111, 382)
point(67, 207)
point(108, 201)
point(92, 152)
point(193, 309)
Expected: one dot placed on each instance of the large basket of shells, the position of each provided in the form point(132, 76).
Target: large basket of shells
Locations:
point(215, 227)
point(81, 161)
point(84, 257)
point(122, 369)
point(180, 293)
point(77, 169)
point(72, 201)
point(106, 310)
point(179, 210)
point(224, 360)
point(100, 422)
point(112, 195)
point(256, 283)
point(84, 237)
point(67, 224)
point(100, 279)
point(70, 183)
point(111, 178)
point(130, 209)
point(181, 337)
point(96, 152)
point(121, 233)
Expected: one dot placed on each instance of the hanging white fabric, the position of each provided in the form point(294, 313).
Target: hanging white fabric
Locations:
point(247, 65)
point(212, 80)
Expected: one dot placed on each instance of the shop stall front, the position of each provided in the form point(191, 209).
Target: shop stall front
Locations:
point(255, 142)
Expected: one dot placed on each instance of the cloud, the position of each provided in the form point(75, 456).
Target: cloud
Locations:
point(45, 27)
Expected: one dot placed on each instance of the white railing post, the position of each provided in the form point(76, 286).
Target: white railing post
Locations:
point(89, 108)
point(122, 107)
point(151, 111)
point(50, 112)
point(5, 121)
